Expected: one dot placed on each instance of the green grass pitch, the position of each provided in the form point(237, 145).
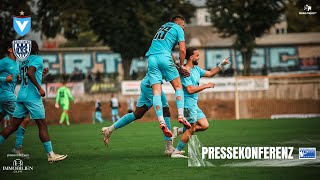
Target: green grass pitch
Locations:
point(137, 151)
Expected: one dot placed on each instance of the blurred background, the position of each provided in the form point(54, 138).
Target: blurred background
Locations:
point(99, 47)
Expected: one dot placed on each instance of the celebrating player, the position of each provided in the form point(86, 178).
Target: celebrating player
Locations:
point(191, 89)
point(161, 64)
point(29, 102)
point(63, 96)
point(9, 72)
point(9, 75)
point(143, 105)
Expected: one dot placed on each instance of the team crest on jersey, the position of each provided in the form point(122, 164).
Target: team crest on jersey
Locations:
point(22, 24)
point(21, 49)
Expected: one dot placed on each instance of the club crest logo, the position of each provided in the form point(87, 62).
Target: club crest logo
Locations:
point(21, 48)
point(22, 24)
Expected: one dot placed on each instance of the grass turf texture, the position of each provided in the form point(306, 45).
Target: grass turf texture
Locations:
point(137, 151)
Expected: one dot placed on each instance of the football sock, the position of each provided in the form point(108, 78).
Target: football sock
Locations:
point(180, 101)
point(48, 147)
point(126, 119)
point(167, 120)
point(157, 105)
point(180, 145)
point(19, 137)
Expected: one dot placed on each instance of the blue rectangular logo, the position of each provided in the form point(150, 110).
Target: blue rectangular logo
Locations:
point(307, 153)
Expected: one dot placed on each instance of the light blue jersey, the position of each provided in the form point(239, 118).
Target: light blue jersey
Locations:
point(166, 38)
point(146, 96)
point(8, 67)
point(28, 91)
point(29, 100)
point(194, 79)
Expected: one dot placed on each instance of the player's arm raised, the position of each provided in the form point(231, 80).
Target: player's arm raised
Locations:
point(195, 89)
point(215, 70)
point(33, 79)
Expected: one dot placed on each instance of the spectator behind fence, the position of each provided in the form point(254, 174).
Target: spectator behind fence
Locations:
point(90, 76)
point(264, 70)
point(98, 76)
point(98, 114)
point(130, 103)
point(115, 105)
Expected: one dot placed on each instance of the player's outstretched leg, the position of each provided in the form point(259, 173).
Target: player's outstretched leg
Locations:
point(107, 131)
point(20, 137)
point(126, 119)
point(158, 108)
point(176, 131)
point(176, 84)
point(168, 140)
point(201, 125)
point(6, 132)
point(45, 139)
point(178, 153)
point(169, 149)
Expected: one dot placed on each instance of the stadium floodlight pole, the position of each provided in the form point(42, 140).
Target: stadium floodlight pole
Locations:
point(234, 62)
point(236, 94)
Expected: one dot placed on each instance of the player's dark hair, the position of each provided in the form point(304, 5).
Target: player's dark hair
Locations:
point(34, 47)
point(174, 18)
point(5, 45)
point(190, 52)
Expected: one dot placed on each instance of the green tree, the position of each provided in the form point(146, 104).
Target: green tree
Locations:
point(60, 16)
point(302, 22)
point(245, 20)
point(128, 26)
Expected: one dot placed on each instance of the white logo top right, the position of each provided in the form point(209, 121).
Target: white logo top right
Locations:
point(307, 10)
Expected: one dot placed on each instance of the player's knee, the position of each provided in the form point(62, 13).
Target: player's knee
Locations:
point(166, 112)
point(138, 115)
point(205, 127)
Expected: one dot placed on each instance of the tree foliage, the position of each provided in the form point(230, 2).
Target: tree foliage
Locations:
point(60, 16)
point(128, 26)
point(245, 20)
point(303, 22)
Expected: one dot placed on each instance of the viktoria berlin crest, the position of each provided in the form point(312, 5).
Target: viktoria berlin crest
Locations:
point(22, 24)
point(21, 48)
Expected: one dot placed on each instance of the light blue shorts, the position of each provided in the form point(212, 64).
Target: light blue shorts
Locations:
point(146, 97)
point(115, 111)
point(35, 108)
point(7, 107)
point(161, 66)
point(193, 114)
